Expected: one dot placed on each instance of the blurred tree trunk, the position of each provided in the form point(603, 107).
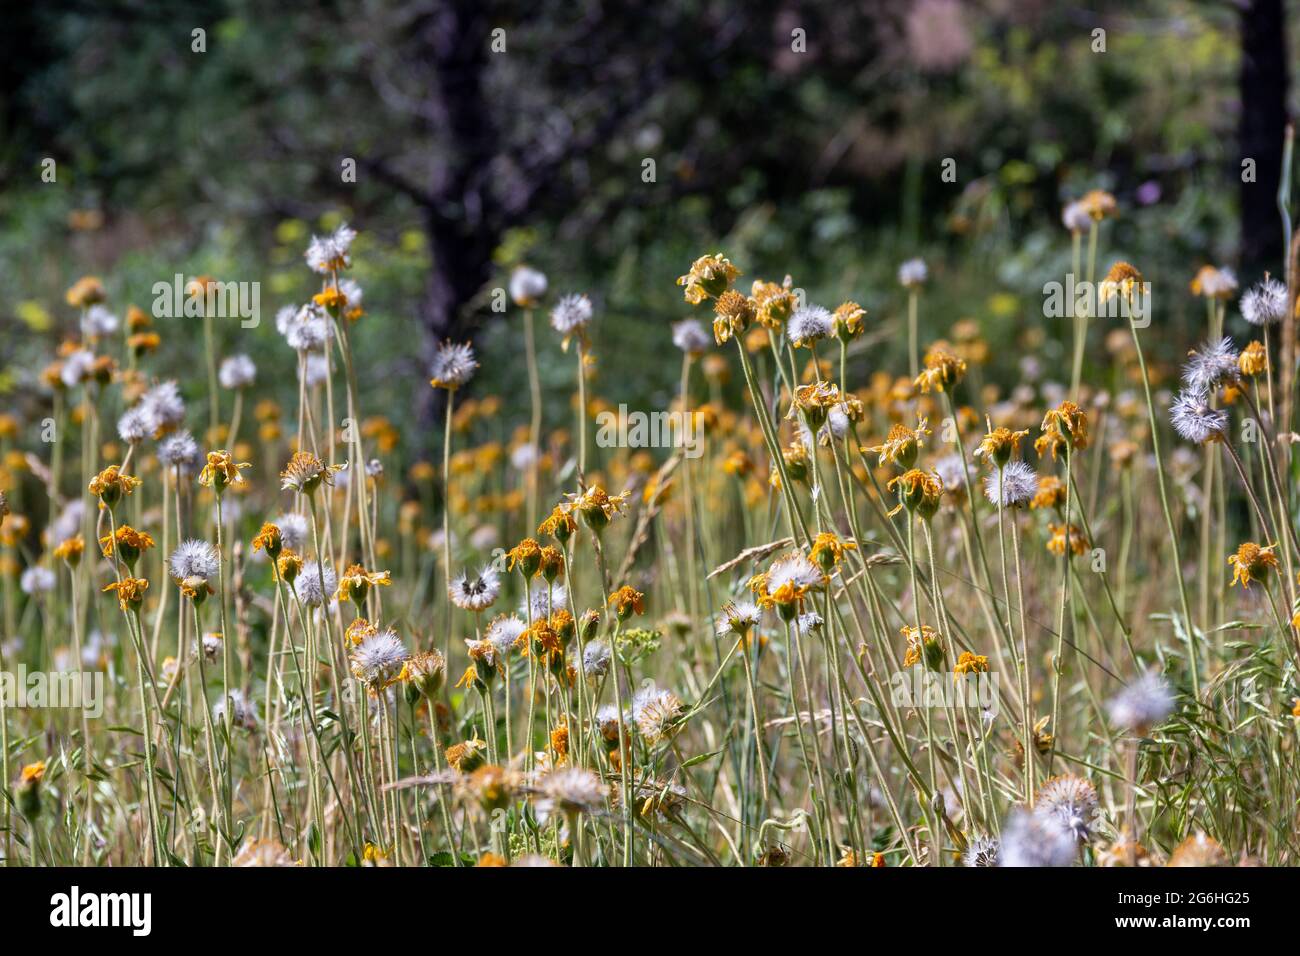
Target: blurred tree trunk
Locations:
point(1263, 88)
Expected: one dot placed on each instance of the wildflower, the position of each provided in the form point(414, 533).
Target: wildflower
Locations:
point(236, 372)
point(503, 633)
point(981, 851)
point(913, 274)
point(314, 583)
point(814, 402)
point(1050, 493)
point(129, 544)
point(135, 425)
point(999, 445)
point(1264, 303)
point(772, 304)
point(220, 471)
point(1039, 840)
point(130, 592)
point(1253, 360)
point(901, 445)
point(1098, 204)
point(194, 558)
point(1075, 217)
point(293, 530)
point(27, 791)
point(848, 321)
point(110, 485)
point(709, 277)
point(1251, 563)
point(809, 325)
point(1213, 283)
point(543, 598)
point(164, 405)
point(626, 601)
point(1066, 422)
point(85, 292)
point(942, 369)
point(492, 788)
point(288, 564)
point(527, 556)
point(243, 712)
point(732, 315)
point(559, 524)
point(1212, 365)
point(37, 580)
point(476, 592)
point(270, 539)
point(597, 507)
point(968, 663)
point(453, 366)
point(596, 658)
point(1071, 802)
point(1012, 485)
point(918, 491)
point(379, 659)
point(142, 343)
point(329, 254)
point(179, 450)
point(356, 582)
point(467, 756)
point(657, 714)
point(306, 330)
point(1194, 419)
point(1122, 281)
point(1198, 850)
point(71, 549)
point(1142, 704)
point(527, 286)
point(689, 336)
point(827, 550)
point(570, 791)
point(1061, 534)
point(922, 644)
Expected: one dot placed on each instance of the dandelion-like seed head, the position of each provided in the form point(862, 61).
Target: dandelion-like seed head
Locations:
point(1071, 801)
point(237, 371)
point(809, 325)
point(194, 559)
point(1011, 486)
point(332, 253)
point(453, 365)
point(379, 659)
point(1194, 420)
point(315, 584)
point(1141, 705)
point(570, 791)
point(476, 591)
point(690, 336)
point(1038, 840)
point(1265, 303)
point(1210, 366)
point(527, 286)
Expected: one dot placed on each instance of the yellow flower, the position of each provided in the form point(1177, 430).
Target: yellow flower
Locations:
point(848, 320)
point(1060, 533)
point(942, 368)
point(466, 757)
point(626, 601)
point(130, 592)
point(1050, 494)
point(304, 473)
point(814, 402)
point(1253, 359)
point(828, 550)
point(288, 564)
point(356, 582)
point(32, 772)
point(1122, 280)
point(1212, 283)
point(1251, 563)
point(527, 556)
point(710, 276)
point(110, 485)
point(999, 445)
point(1069, 421)
point(772, 303)
point(968, 663)
point(129, 544)
point(220, 471)
point(918, 491)
point(269, 538)
point(597, 507)
point(559, 524)
point(71, 549)
point(86, 291)
point(1098, 204)
point(922, 644)
point(901, 445)
point(732, 314)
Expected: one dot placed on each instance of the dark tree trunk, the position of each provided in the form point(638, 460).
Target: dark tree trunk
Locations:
point(1263, 87)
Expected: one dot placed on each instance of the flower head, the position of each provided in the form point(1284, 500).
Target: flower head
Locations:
point(1212, 365)
point(110, 485)
point(356, 583)
point(527, 286)
point(626, 601)
point(999, 445)
point(1142, 704)
point(236, 372)
point(453, 365)
point(1264, 303)
point(809, 325)
point(331, 253)
point(1011, 486)
point(1066, 536)
point(901, 445)
point(571, 316)
point(130, 592)
point(476, 592)
point(304, 473)
point(314, 584)
point(942, 369)
point(1071, 802)
point(690, 336)
point(221, 470)
point(1194, 419)
point(709, 277)
point(913, 273)
point(379, 659)
point(1251, 563)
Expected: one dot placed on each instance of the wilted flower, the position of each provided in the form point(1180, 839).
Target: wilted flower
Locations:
point(379, 659)
point(315, 583)
point(331, 253)
point(1251, 563)
point(476, 592)
point(1264, 303)
point(1194, 419)
point(453, 366)
point(710, 276)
